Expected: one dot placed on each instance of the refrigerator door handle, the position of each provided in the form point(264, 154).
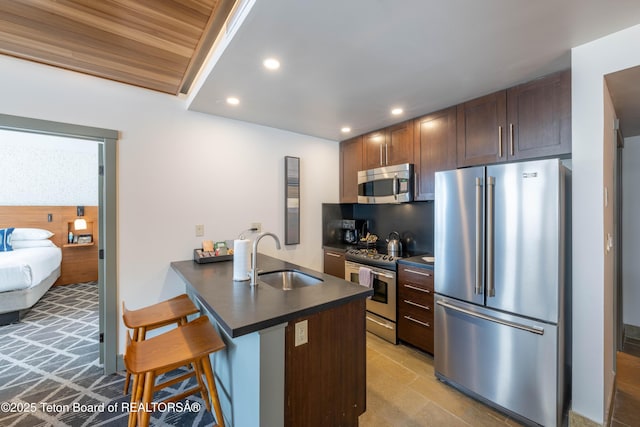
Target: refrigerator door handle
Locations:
point(491, 285)
point(533, 329)
point(479, 251)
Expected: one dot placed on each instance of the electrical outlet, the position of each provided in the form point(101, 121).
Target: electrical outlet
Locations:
point(257, 225)
point(199, 230)
point(302, 336)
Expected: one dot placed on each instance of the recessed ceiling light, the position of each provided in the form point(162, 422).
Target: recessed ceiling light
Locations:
point(232, 100)
point(271, 64)
point(397, 111)
point(345, 129)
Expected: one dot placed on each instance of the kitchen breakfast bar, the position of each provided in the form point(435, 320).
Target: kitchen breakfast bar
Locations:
point(293, 357)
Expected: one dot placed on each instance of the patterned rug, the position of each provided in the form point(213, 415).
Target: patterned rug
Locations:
point(50, 372)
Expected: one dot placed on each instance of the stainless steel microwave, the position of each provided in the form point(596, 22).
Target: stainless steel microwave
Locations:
point(388, 184)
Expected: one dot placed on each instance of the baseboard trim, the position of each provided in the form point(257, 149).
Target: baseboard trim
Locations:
point(631, 331)
point(612, 397)
point(577, 420)
point(120, 363)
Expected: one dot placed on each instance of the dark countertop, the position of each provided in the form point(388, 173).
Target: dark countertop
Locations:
point(338, 247)
point(417, 261)
point(240, 309)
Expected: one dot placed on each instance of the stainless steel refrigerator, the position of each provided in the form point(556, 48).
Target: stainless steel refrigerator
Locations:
point(501, 310)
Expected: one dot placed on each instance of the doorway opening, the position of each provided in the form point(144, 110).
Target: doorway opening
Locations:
point(107, 225)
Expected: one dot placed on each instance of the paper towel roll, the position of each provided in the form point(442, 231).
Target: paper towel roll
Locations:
point(241, 259)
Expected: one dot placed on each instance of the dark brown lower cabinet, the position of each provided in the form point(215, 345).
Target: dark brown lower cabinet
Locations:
point(325, 379)
point(334, 263)
point(415, 306)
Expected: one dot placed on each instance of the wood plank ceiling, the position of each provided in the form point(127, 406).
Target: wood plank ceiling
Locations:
point(154, 44)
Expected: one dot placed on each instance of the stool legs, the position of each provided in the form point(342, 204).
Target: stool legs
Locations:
point(136, 395)
point(144, 386)
point(147, 396)
point(197, 367)
point(128, 376)
point(213, 391)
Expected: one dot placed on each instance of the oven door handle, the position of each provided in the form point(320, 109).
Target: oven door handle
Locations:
point(388, 276)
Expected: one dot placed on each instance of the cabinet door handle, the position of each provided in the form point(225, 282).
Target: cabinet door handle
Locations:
point(417, 272)
point(415, 304)
point(511, 146)
point(381, 164)
point(415, 288)
point(334, 255)
point(500, 141)
point(386, 154)
point(417, 321)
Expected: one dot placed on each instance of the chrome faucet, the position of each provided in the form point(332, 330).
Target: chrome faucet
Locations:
point(254, 256)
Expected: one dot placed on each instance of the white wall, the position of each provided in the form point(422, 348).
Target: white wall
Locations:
point(591, 328)
point(178, 168)
point(45, 170)
point(631, 229)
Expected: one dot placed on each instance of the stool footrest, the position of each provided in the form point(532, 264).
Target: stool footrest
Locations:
point(182, 395)
point(173, 381)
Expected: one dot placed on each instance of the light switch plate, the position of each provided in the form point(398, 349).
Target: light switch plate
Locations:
point(199, 230)
point(302, 333)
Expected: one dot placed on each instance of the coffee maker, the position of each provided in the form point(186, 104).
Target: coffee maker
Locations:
point(353, 229)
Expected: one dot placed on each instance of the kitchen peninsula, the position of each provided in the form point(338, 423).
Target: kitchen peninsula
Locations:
point(269, 374)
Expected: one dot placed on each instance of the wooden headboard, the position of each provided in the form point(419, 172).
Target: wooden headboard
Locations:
point(79, 262)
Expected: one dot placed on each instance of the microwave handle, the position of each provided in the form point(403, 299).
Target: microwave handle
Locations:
point(395, 187)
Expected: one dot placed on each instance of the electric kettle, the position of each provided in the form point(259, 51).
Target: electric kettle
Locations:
point(394, 246)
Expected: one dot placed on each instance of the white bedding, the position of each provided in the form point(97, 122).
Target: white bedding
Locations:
point(24, 268)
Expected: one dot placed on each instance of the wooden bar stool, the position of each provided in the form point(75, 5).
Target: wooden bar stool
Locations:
point(174, 310)
point(191, 343)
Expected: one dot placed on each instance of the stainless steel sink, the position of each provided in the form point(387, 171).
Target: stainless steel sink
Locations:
point(288, 279)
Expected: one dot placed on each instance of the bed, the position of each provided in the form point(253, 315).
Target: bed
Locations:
point(26, 273)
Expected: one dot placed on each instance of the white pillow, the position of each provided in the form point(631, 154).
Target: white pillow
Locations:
point(31, 234)
point(24, 244)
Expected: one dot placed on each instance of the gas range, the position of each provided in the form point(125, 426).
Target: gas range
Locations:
point(372, 256)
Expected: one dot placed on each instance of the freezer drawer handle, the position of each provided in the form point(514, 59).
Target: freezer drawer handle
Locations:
point(415, 288)
point(384, 325)
point(417, 272)
point(415, 304)
point(533, 329)
point(417, 321)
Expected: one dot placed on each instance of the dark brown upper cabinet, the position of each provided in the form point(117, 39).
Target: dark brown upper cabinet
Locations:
point(481, 128)
point(350, 164)
point(389, 146)
point(527, 121)
point(539, 116)
point(434, 149)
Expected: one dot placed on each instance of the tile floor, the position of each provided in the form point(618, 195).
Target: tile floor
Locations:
point(402, 391)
